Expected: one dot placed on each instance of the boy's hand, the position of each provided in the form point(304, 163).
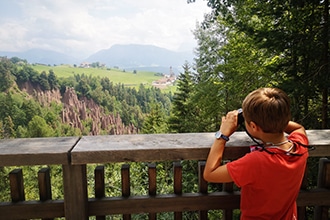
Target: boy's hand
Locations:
point(229, 123)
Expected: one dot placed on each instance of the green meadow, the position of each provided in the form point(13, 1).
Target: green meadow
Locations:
point(128, 78)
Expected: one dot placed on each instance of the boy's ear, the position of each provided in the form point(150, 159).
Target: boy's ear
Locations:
point(254, 126)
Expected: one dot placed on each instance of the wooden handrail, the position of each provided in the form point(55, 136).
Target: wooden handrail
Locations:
point(74, 153)
point(161, 147)
point(141, 147)
point(36, 151)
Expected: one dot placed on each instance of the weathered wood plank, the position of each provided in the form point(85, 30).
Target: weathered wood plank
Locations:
point(44, 183)
point(152, 176)
point(125, 180)
point(177, 175)
point(103, 149)
point(316, 197)
point(321, 140)
point(16, 185)
point(163, 203)
point(99, 186)
point(99, 182)
point(156, 147)
point(202, 183)
point(160, 147)
point(32, 210)
point(75, 192)
point(202, 187)
point(125, 185)
point(188, 202)
point(142, 204)
point(35, 151)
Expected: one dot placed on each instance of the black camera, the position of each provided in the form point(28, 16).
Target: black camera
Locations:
point(240, 118)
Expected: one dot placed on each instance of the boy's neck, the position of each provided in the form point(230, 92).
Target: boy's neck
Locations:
point(274, 138)
point(278, 140)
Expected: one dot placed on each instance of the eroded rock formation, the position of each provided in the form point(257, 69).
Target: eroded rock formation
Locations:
point(75, 111)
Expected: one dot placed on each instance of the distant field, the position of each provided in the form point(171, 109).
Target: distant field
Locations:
point(127, 78)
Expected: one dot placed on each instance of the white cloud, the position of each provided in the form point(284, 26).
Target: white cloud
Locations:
point(79, 27)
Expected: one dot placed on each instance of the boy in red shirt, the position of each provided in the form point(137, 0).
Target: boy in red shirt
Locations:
point(270, 176)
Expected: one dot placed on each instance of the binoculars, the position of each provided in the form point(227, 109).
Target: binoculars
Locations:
point(240, 118)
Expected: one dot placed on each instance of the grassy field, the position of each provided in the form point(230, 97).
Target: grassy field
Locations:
point(128, 78)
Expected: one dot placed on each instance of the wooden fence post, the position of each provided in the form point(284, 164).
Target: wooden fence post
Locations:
point(202, 186)
point(75, 192)
point(125, 185)
point(16, 185)
point(152, 185)
point(45, 191)
point(99, 186)
point(228, 187)
point(323, 181)
point(177, 169)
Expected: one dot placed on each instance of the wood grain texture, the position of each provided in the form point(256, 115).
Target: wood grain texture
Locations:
point(162, 147)
point(36, 151)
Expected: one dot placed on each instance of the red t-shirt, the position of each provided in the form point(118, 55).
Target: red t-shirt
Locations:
point(270, 183)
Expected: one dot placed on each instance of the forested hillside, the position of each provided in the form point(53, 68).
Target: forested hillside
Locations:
point(243, 45)
point(37, 104)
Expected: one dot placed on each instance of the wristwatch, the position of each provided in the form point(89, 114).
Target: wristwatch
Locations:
point(219, 135)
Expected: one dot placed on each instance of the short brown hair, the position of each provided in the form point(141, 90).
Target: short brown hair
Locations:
point(269, 108)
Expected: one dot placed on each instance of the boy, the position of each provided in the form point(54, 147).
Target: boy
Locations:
point(271, 175)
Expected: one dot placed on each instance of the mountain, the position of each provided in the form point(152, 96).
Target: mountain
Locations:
point(141, 57)
point(128, 57)
point(47, 57)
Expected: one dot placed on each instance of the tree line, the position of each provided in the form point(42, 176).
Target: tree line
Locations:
point(25, 117)
point(244, 45)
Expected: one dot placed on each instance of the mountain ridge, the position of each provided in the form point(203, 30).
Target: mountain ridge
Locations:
point(124, 56)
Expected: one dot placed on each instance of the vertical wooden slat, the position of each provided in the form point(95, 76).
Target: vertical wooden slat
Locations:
point(202, 183)
point(177, 168)
point(16, 185)
point(301, 210)
point(323, 181)
point(177, 178)
point(99, 186)
point(228, 213)
point(75, 192)
point(45, 192)
point(202, 187)
point(125, 185)
point(152, 185)
point(228, 187)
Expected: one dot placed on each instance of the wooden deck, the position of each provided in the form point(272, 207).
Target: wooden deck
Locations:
point(75, 153)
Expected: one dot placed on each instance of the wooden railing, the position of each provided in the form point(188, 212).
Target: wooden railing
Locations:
point(75, 153)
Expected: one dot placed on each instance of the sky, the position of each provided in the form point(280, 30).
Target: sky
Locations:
point(80, 28)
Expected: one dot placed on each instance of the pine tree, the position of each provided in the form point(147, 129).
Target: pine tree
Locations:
point(155, 122)
point(183, 111)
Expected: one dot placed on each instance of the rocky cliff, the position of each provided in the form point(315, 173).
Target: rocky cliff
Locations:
point(75, 111)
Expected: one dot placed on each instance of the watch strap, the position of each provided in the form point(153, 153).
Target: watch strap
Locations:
point(219, 135)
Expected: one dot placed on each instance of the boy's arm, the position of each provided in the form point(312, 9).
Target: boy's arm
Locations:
point(295, 127)
point(214, 171)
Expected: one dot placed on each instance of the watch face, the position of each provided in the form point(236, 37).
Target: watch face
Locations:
point(219, 135)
